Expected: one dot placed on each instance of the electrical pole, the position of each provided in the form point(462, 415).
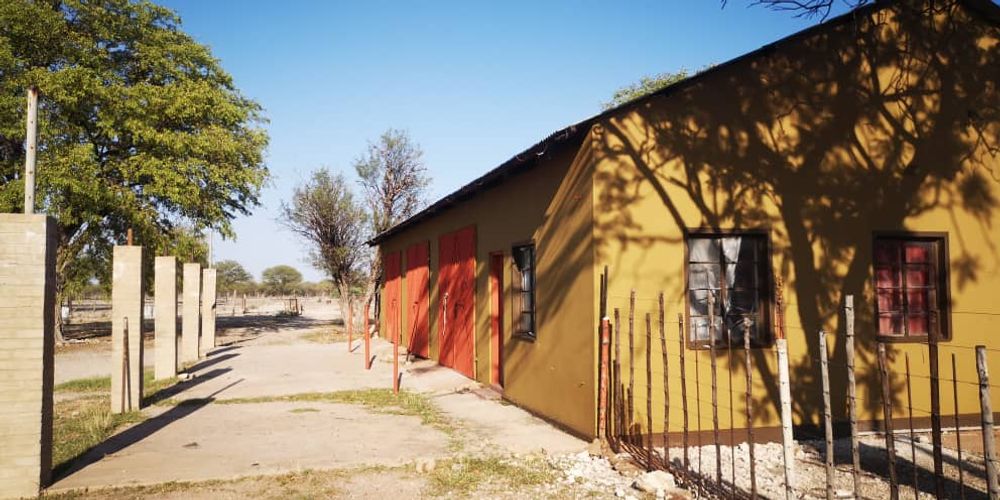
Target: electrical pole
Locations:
point(30, 150)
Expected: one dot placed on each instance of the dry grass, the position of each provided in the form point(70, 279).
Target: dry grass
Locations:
point(82, 423)
point(478, 476)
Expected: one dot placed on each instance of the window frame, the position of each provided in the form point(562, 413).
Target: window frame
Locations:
point(942, 270)
point(766, 300)
point(516, 292)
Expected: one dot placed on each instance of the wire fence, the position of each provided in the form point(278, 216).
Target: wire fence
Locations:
point(702, 411)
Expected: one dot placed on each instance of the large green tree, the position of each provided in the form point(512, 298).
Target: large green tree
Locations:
point(139, 128)
point(281, 279)
point(233, 277)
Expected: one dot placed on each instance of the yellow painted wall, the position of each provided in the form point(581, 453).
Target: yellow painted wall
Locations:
point(551, 204)
point(811, 144)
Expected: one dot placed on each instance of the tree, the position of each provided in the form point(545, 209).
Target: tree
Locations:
point(394, 181)
point(806, 8)
point(324, 213)
point(645, 86)
point(233, 277)
point(281, 279)
point(139, 128)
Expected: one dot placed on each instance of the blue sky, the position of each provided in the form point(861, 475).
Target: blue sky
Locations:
point(473, 82)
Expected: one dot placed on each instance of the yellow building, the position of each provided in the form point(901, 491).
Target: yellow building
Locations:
point(859, 157)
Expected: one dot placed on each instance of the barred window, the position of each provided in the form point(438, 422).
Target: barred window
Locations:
point(732, 272)
point(909, 282)
point(524, 290)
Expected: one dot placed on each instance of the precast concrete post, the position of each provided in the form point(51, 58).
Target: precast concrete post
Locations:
point(207, 311)
point(126, 329)
point(27, 321)
point(165, 301)
point(189, 316)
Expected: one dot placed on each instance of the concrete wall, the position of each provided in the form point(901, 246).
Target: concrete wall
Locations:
point(207, 310)
point(165, 300)
point(810, 145)
point(126, 320)
point(550, 204)
point(190, 319)
point(27, 302)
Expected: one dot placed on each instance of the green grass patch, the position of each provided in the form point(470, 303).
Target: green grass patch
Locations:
point(103, 384)
point(477, 475)
point(82, 423)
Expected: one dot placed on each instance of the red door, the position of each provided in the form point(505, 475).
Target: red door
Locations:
point(417, 260)
point(391, 294)
point(496, 319)
point(457, 292)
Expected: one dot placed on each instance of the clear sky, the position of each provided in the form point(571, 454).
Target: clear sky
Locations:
point(473, 82)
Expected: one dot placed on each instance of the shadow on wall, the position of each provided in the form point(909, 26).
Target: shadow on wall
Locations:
point(837, 137)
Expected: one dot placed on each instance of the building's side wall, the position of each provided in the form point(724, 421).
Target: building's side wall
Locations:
point(810, 144)
point(550, 204)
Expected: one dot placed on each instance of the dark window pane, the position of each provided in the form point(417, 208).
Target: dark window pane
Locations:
point(917, 276)
point(699, 303)
point(887, 277)
point(918, 252)
point(916, 300)
point(741, 302)
point(890, 324)
point(890, 301)
point(916, 324)
point(886, 252)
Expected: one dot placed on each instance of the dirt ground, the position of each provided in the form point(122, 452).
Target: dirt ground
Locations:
point(255, 420)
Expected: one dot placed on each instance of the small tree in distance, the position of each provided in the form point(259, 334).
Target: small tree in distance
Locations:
point(281, 279)
point(233, 277)
point(324, 213)
point(394, 180)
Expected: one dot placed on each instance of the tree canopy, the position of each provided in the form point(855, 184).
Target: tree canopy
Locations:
point(232, 276)
point(645, 86)
point(139, 127)
point(281, 279)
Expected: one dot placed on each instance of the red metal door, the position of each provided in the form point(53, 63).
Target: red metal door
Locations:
point(446, 266)
point(417, 260)
point(457, 291)
point(496, 319)
point(392, 294)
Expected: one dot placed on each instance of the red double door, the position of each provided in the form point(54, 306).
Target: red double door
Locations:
point(392, 294)
point(417, 292)
point(456, 299)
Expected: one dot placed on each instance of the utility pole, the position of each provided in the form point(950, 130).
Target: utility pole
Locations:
point(30, 150)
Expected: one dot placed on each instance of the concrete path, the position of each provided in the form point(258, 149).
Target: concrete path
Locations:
point(201, 438)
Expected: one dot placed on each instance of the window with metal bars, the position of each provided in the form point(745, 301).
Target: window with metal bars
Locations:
point(910, 287)
point(524, 290)
point(730, 272)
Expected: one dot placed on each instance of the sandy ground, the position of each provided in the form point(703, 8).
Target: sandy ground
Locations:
point(204, 439)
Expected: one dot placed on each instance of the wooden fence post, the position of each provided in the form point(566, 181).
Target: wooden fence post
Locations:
point(852, 399)
point(932, 356)
point(913, 440)
point(958, 433)
point(630, 397)
point(602, 403)
point(666, 386)
point(715, 389)
point(649, 394)
point(890, 439)
point(749, 406)
point(986, 407)
point(827, 418)
point(684, 386)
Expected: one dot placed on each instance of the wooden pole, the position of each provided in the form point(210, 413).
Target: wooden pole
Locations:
point(913, 440)
point(619, 402)
point(932, 365)
point(986, 407)
point(715, 388)
point(602, 402)
point(749, 406)
point(958, 433)
point(684, 386)
point(368, 339)
point(732, 417)
point(852, 399)
point(630, 398)
point(350, 323)
point(649, 394)
point(824, 369)
point(784, 393)
point(697, 402)
point(666, 385)
point(30, 151)
point(890, 439)
point(395, 355)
